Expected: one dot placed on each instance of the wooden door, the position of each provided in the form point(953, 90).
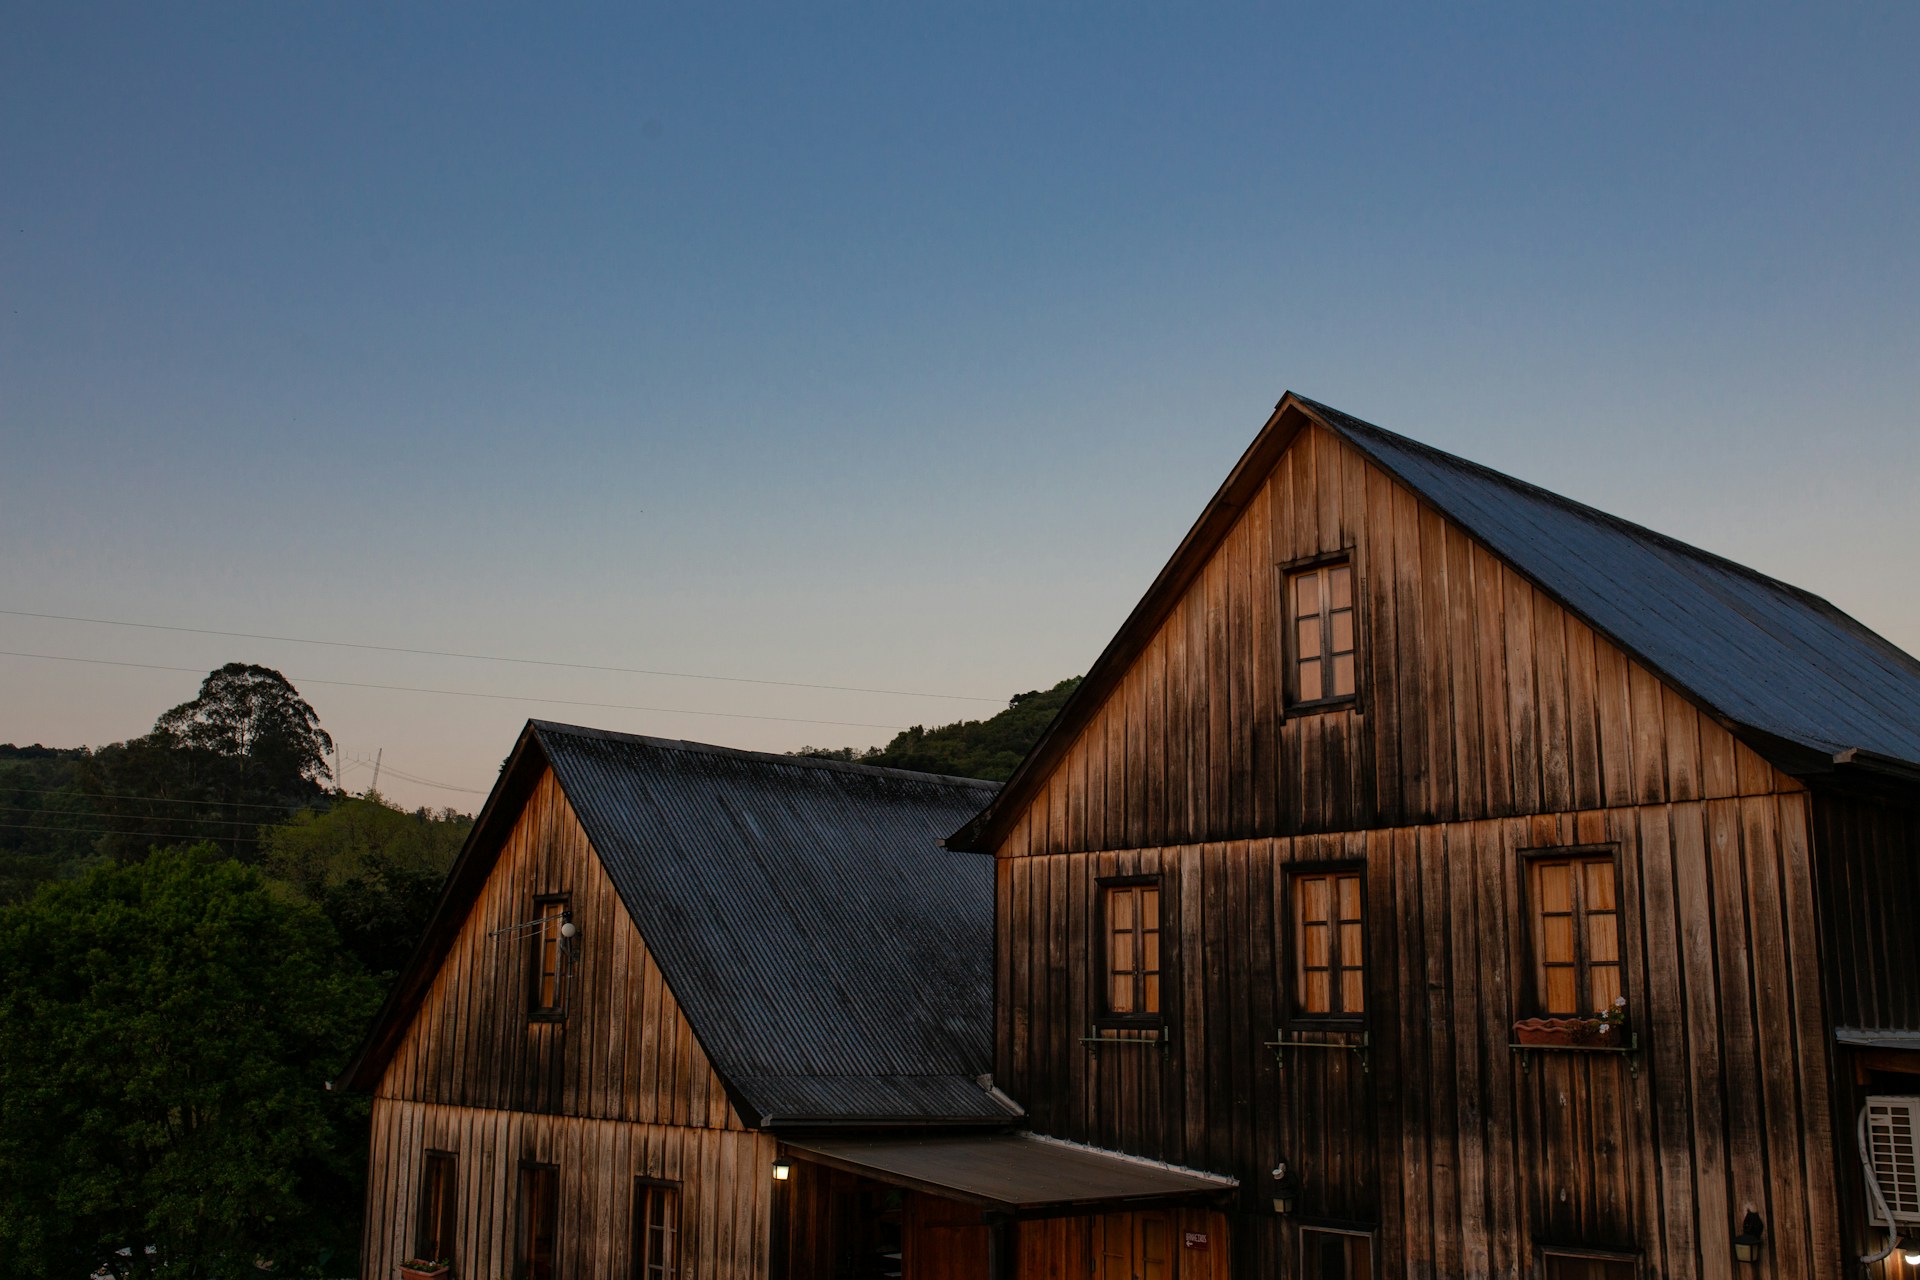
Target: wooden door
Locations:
point(1135, 1246)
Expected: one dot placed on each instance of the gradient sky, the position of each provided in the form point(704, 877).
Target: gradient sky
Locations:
point(886, 345)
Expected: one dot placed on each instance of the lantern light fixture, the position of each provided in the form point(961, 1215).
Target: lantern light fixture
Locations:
point(782, 1171)
point(1286, 1189)
point(1909, 1247)
point(1746, 1244)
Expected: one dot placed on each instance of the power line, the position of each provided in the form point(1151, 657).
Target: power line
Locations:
point(140, 817)
point(125, 795)
point(470, 693)
point(425, 782)
point(90, 831)
point(491, 657)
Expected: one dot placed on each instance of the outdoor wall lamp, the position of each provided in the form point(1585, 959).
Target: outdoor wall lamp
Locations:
point(1909, 1247)
point(1286, 1189)
point(1746, 1245)
point(782, 1171)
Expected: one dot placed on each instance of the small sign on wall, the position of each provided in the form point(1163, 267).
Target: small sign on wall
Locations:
point(1196, 1240)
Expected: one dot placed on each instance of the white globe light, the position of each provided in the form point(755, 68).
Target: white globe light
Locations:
point(567, 930)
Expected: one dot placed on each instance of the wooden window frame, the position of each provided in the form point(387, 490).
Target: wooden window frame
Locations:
point(523, 1235)
point(536, 1010)
point(1284, 574)
point(430, 1159)
point(1580, 1253)
point(1103, 976)
point(643, 1184)
point(1290, 946)
point(1535, 999)
point(1370, 1234)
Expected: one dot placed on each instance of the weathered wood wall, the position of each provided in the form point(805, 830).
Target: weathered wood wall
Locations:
point(1063, 1248)
point(1464, 1155)
point(725, 1193)
point(619, 1087)
point(1480, 696)
point(1866, 858)
point(624, 1051)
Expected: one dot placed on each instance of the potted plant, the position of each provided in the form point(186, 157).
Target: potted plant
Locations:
point(1604, 1030)
point(426, 1269)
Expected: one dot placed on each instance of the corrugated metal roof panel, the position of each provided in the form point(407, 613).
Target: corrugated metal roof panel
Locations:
point(1015, 1172)
point(1758, 651)
point(834, 961)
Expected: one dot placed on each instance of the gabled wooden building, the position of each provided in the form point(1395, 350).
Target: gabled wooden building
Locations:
point(685, 1011)
point(1489, 886)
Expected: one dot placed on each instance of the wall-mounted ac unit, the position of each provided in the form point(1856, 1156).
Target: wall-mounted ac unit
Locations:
point(1893, 1145)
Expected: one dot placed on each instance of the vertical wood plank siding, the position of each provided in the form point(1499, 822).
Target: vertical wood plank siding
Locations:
point(1480, 696)
point(1466, 1156)
point(618, 1088)
point(1488, 721)
point(724, 1197)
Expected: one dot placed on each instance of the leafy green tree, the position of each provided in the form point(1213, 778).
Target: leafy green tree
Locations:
point(165, 1031)
point(47, 824)
point(375, 871)
point(247, 752)
point(990, 748)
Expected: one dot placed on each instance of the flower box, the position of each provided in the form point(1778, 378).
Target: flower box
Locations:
point(424, 1269)
point(1568, 1033)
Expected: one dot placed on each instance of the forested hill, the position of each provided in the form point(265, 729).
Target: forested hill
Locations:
point(990, 748)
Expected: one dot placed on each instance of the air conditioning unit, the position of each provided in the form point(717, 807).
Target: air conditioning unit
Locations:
point(1893, 1146)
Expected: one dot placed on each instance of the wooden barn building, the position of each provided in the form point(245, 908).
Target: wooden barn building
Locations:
point(662, 973)
point(1434, 877)
point(1536, 891)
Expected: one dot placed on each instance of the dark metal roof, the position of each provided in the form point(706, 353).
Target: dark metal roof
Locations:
point(1012, 1172)
point(1764, 655)
point(834, 961)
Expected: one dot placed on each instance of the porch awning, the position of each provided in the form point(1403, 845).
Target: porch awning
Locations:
point(1017, 1173)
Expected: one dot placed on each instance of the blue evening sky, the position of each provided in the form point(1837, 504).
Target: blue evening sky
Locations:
point(882, 344)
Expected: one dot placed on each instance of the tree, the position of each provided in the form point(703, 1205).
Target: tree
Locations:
point(375, 871)
point(247, 752)
point(165, 1031)
point(990, 748)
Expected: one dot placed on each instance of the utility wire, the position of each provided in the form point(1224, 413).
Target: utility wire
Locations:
point(490, 657)
point(91, 831)
point(143, 817)
point(124, 795)
point(470, 693)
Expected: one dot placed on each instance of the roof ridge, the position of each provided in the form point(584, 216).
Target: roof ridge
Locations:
point(1577, 507)
point(690, 747)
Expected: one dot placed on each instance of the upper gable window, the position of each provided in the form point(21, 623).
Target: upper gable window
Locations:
point(548, 996)
point(1131, 926)
point(1322, 660)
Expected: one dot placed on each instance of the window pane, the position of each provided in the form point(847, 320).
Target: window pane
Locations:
point(1316, 993)
point(1556, 939)
point(1606, 986)
point(1310, 682)
point(1152, 941)
point(1556, 887)
point(1343, 631)
point(1342, 676)
point(1353, 998)
point(1313, 946)
point(1152, 1002)
point(1599, 886)
point(1340, 585)
point(1120, 993)
point(1350, 946)
point(1307, 638)
point(1349, 897)
point(1149, 907)
point(1123, 953)
point(1560, 992)
point(1313, 897)
point(1306, 594)
point(1603, 939)
point(1120, 908)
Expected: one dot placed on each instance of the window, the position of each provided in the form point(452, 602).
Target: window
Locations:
point(433, 1235)
point(1132, 930)
point(539, 1206)
point(1575, 927)
point(656, 1230)
point(1329, 945)
point(1328, 1254)
point(1588, 1264)
point(549, 992)
point(1320, 606)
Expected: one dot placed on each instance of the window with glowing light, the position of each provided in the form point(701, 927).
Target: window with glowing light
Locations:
point(1323, 639)
point(548, 995)
point(1573, 927)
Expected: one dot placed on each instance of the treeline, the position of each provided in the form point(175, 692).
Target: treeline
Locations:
point(198, 931)
point(990, 748)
